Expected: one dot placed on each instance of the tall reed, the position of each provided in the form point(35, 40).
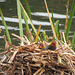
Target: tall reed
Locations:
point(26, 22)
point(73, 40)
point(50, 20)
point(27, 8)
point(19, 16)
point(6, 29)
point(70, 19)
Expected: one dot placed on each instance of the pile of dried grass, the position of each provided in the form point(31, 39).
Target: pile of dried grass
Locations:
point(30, 60)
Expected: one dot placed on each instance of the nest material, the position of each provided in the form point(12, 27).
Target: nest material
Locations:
point(29, 60)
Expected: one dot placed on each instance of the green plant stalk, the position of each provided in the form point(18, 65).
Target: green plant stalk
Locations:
point(26, 23)
point(19, 16)
point(70, 19)
point(61, 36)
point(52, 18)
point(44, 38)
point(29, 20)
point(27, 8)
point(6, 29)
point(57, 29)
point(73, 39)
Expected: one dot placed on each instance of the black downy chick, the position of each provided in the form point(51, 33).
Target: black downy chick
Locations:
point(51, 46)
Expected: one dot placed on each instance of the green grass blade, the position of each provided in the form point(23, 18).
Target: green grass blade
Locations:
point(26, 23)
point(73, 39)
point(44, 35)
point(29, 20)
point(70, 19)
point(57, 29)
point(27, 8)
point(52, 18)
point(19, 16)
point(4, 23)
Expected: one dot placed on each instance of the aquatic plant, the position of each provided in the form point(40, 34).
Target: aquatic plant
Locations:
point(30, 59)
point(6, 29)
point(70, 19)
point(19, 16)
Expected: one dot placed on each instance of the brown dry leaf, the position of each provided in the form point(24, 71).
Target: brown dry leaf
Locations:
point(31, 37)
point(0, 30)
point(6, 46)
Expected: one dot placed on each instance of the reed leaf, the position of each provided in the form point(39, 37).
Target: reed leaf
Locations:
point(26, 23)
point(61, 37)
point(70, 19)
point(27, 8)
point(44, 35)
point(6, 29)
point(29, 20)
point(19, 17)
point(73, 39)
point(36, 40)
point(52, 18)
point(57, 29)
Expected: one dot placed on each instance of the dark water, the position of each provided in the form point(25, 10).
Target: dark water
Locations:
point(39, 16)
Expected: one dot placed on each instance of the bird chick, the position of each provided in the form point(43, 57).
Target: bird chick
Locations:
point(46, 46)
point(52, 46)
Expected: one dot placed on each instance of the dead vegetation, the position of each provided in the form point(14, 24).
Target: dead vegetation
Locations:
point(28, 59)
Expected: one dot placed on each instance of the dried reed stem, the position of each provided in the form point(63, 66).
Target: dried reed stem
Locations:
point(50, 19)
point(66, 14)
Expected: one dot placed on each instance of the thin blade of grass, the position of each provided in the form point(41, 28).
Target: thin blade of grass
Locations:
point(57, 29)
point(26, 23)
point(70, 19)
point(28, 18)
point(6, 29)
point(61, 36)
point(52, 18)
point(73, 39)
point(36, 40)
point(27, 8)
point(19, 16)
point(44, 35)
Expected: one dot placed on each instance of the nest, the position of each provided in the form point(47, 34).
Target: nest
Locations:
point(28, 59)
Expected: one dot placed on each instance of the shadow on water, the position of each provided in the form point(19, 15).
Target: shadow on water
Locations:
point(39, 16)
